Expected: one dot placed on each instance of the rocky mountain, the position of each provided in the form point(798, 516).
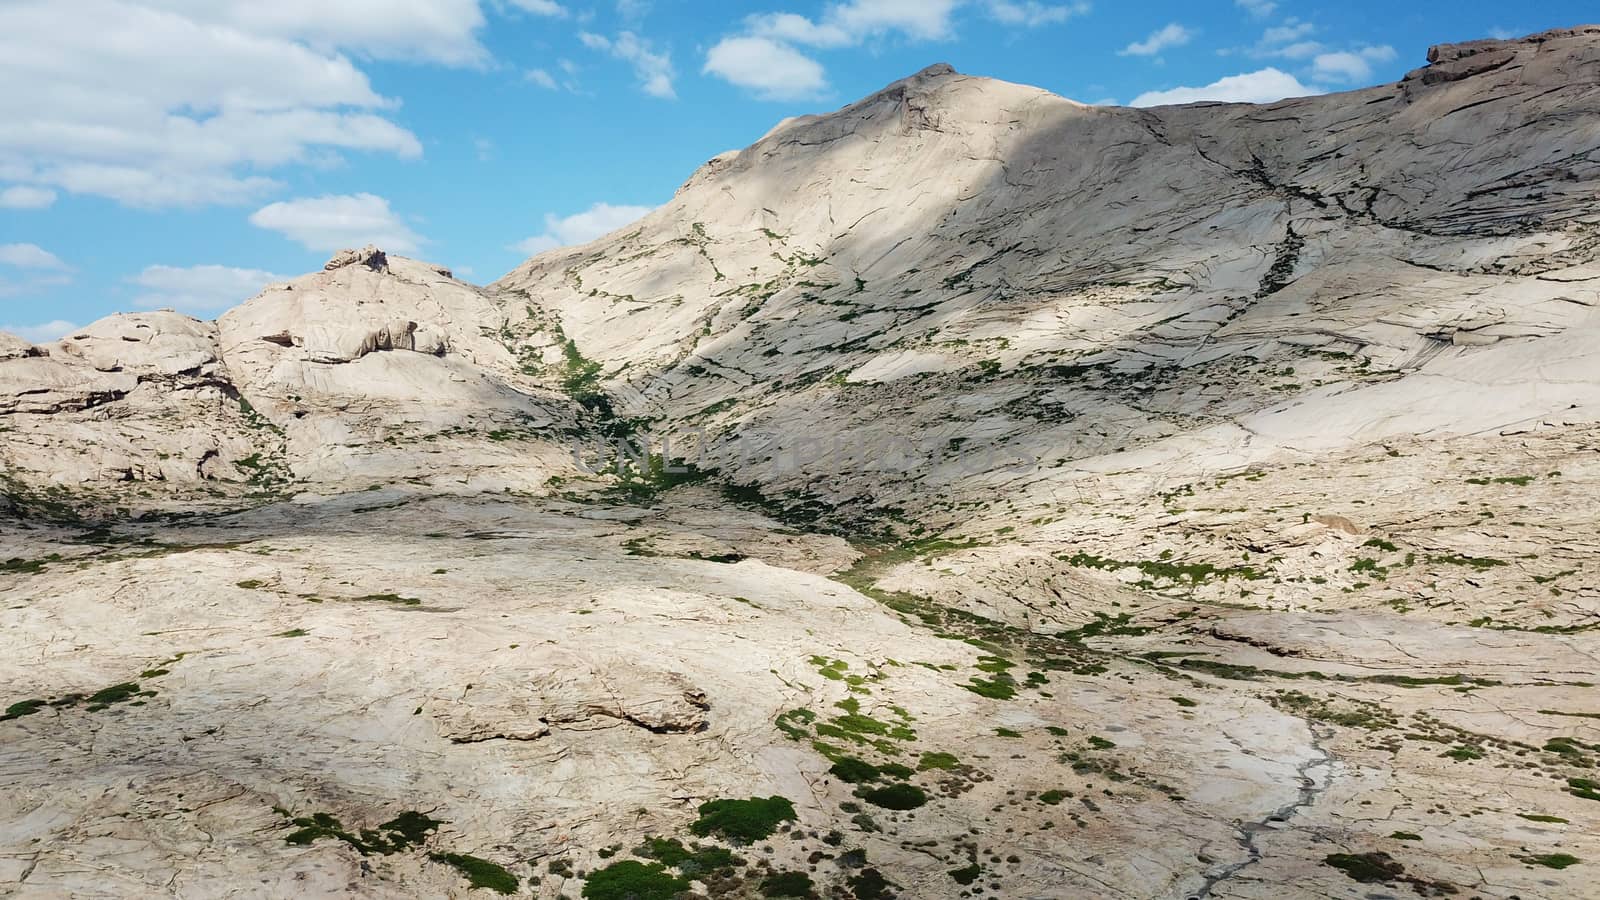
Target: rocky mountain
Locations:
point(965, 493)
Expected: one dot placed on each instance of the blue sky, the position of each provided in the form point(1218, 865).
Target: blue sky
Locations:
point(184, 152)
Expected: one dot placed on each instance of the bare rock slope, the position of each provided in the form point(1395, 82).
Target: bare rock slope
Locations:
point(1030, 500)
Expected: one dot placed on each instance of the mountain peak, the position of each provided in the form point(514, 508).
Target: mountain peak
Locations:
point(937, 70)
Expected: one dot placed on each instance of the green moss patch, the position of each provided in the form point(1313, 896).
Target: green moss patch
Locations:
point(966, 874)
point(695, 861)
point(23, 708)
point(1552, 860)
point(1367, 868)
point(855, 771)
point(895, 796)
point(869, 885)
point(745, 821)
point(786, 884)
point(480, 873)
point(1587, 788)
point(631, 880)
point(403, 832)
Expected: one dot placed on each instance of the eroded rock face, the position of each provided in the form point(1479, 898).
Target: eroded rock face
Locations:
point(346, 374)
point(566, 691)
point(1239, 545)
point(368, 256)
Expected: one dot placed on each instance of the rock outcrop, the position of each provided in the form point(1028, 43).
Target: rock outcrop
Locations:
point(1037, 499)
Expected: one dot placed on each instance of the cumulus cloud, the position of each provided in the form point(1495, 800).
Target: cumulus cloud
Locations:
point(1173, 35)
point(42, 333)
point(24, 197)
point(1265, 86)
point(773, 70)
point(1351, 67)
point(597, 221)
point(34, 269)
point(187, 102)
point(329, 223)
point(1260, 9)
point(653, 68)
point(770, 39)
point(199, 289)
point(29, 256)
point(440, 31)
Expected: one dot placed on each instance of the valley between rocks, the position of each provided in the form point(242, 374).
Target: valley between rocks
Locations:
point(1277, 578)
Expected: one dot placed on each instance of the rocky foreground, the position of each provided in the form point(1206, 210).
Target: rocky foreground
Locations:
point(1028, 500)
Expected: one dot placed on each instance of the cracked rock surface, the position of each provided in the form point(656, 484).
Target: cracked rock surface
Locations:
point(1041, 500)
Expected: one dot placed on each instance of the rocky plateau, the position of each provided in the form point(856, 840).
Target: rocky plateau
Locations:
point(967, 493)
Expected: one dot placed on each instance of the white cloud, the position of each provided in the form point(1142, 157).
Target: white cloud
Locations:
point(1258, 8)
point(1173, 35)
point(653, 69)
point(29, 256)
point(43, 333)
point(597, 221)
point(1265, 86)
point(24, 197)
point(853, 22)
point(764, 59)
point(1351, 67)
point(199, 289)
point(774, 71)
point(541, 7)
point(1292, 30)
point(1032, 13)
point(1345, 67)
point(441, 31)
point(633, 10)
point(329, 223)
point(542, 79)
point(187, 102)
point(797, 29)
